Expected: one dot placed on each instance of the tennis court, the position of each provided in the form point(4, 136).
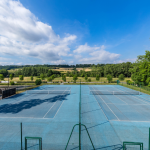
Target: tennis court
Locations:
point(51, 111)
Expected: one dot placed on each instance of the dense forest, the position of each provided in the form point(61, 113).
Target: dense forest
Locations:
point(100, 69)
point(9, 67)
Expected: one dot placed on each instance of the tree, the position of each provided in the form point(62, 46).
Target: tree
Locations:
point(75, 78)
point(89, 80)
point(53, 77)
point(12, 83)
point(1, 77)
point(49, 79)
point(97, 77)
point(86, 77)
point(42, 76)
point(38, 81)
point(50, 72)
point(11, 76)
point(121, 77)
point(4, 72)
point(31, 78)
point(64, 78)
point(109, 78)
point(21, 77)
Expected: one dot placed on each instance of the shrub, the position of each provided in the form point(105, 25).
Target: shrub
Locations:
point(109, 78)
point(64, 78)
point(21, 77)
point(42, 76)
point(12, 83)
point(11, 76)
point(121, 77)
point(49, 79)
point(97, 77)
point(38, 81)
point(31, 78)
point(53, 77)
point(86, 77)
point(89, 80)
point(75, 78)
point(1, 77)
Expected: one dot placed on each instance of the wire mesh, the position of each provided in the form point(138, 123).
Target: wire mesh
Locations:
point(97, 92)
point(48, 91)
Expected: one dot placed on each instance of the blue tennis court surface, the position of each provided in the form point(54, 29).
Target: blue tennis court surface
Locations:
point(110, 119)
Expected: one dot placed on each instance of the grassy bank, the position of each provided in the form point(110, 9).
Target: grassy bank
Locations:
point(136, 88)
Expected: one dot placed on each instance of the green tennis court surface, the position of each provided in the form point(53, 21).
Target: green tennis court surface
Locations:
point(112, 114)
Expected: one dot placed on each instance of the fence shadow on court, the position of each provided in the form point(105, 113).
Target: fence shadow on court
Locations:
point(19, 106)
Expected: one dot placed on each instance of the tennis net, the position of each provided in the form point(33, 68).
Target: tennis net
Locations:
point(97, 92)
point(48, 92)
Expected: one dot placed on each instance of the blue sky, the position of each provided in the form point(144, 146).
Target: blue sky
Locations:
point(73, 32)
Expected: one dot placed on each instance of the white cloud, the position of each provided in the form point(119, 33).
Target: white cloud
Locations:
point(125, 60)
point(21, 33)
point(86, 48)
point(94, 54)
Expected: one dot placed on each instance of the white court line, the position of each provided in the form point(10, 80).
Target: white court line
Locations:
point(49, 110)
point(134, 96)
point(53, 105)
point(121, 99)
point(108, 107)
point(58, 109)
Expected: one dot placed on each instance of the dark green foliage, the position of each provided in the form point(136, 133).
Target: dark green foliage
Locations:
point(4, 72)
point(49, 79)
point(21, 77)
point(1, 77)
point(12, 83)
point(121, 77)
point(109, 78)
point(141, 70)
point(86, 77)
point(35, 71)
point(11, 76)
point(38, 81)
point(31, 78)
point(42, 76)
point(64, 78)
point(53, 77)
point(89, 80)
point(75, 77)
point(97, 77)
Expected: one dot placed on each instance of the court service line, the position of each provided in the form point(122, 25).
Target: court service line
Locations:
point(53, 105)
point(121, 99)
point(60, 105)
point(49, 110)
point(108, 107)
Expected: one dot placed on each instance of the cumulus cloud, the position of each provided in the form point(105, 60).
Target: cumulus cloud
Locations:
point(95, 54)
point(86, 48)
point(21, 33)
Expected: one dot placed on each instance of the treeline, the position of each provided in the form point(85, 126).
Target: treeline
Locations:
point(101, 70)
point(9, 67)
point(36, 71)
